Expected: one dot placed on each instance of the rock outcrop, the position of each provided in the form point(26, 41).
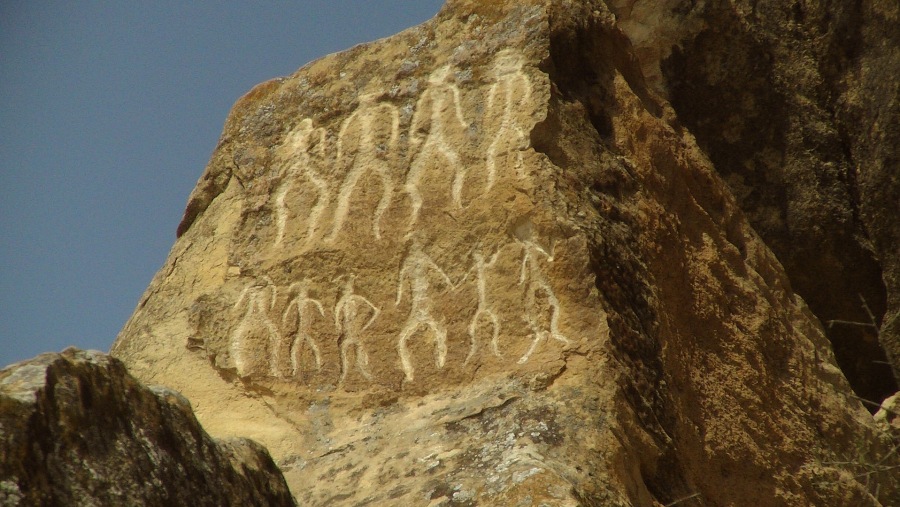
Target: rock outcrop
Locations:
point(797, 104)
point(487, 262)
point(77, 429)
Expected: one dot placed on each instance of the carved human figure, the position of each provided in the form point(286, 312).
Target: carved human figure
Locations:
point(483, 311)
point(299, 304)
point(508, 101)
point(535, 285)
point(351, 320)
point(366, 143)
point(256, 329)
point(437, 125)
point(302, 151)
point(415, 269)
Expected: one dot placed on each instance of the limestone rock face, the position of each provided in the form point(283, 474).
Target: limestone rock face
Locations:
point(484, 262)
point(77, 429)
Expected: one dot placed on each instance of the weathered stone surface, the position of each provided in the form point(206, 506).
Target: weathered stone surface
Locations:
point(77, 429)
point(484, 262)
point(797, 105)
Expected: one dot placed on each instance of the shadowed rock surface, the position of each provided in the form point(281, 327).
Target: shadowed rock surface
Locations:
point(546, 252)
point(797, 104)
point(77, 429)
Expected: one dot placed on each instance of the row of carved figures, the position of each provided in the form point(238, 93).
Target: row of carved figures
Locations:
point(354, 314)
point(370, 134)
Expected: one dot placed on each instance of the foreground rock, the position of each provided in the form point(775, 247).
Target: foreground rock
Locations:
point(489, 265)
point(77, 429)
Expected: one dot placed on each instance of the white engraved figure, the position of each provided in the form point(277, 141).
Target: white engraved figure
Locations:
point(511, 93)
point(260, 298)
point(483, 310)
point(299, 146)
point(438, 114)
point(371, 154)
point(536, 283)
point(349, 314)
point(415, 268)
point(300, 302)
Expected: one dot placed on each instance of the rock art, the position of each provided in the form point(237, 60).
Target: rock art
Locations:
point(349, 315)
point(491, 264)
point(303, 336)
point(303, 151)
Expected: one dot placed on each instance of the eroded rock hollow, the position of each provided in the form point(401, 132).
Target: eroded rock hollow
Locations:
point(505, 258)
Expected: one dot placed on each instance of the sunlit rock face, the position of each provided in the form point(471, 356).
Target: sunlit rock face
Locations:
point(483, 262)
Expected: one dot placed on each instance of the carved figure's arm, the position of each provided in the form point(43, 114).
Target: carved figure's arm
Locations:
point(338, 313)
point(318, 305)
point(287, 312)
point(375, 312)
point(400, 279)
point(241, 297)
point(342, 133)
point(525, 257)
point(421, 119)
point(457, 106)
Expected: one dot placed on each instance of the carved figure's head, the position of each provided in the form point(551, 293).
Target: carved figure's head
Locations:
point(507, 62)
point(440, 75)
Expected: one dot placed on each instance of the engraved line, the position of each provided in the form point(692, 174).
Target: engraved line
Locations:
point(415, 270)
point(302, 336)
point(537, 283)
point(345, 314)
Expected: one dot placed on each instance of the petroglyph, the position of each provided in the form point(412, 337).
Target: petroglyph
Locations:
point(299, 303)
point(483, 311)
point(416, 268)
point(438, 117)
point(303, 150)
point(359, 147)
point(511, 92)
point(256, 329)
point(349, 314)
point(536, 284)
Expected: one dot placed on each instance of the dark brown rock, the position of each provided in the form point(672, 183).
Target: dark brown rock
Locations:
point(796, 104)
point(77, 429)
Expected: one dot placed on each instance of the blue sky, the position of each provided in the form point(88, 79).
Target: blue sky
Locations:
point(109, 111)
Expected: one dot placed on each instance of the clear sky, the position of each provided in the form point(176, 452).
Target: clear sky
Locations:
point(109, 111)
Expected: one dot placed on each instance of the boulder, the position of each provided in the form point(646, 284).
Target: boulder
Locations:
point(77, 429)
